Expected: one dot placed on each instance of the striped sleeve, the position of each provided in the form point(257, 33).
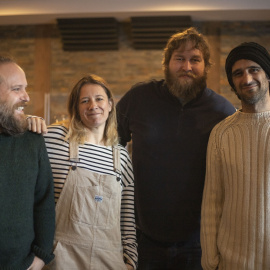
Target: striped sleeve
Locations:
point(58, 152)
point(128, 227)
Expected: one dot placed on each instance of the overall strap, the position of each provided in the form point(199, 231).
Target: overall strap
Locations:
point(116, 162)
point(74, 154)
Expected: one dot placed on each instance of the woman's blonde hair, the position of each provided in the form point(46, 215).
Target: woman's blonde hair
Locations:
point(77, 130)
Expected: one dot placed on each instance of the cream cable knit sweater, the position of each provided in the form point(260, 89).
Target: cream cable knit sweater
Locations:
point(235, 228)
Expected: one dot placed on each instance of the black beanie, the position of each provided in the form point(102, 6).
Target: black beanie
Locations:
point(250, 51)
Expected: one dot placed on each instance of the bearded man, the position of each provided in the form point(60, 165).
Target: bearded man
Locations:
point(169, 122)
point(26, 186)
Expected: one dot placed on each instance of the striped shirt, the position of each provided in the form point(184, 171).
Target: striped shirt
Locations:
point(98, 159)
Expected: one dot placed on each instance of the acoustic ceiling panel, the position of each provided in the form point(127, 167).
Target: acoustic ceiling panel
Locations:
point(88, 34)
point(154, 32)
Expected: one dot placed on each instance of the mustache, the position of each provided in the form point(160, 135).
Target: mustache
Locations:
point(188, 74)
point(19, 104)
point(249, 84)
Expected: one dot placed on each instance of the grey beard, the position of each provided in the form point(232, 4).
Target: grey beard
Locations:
point(185, 91)
point(9, 124)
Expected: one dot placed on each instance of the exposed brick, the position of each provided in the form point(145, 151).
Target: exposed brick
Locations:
point(121, 68)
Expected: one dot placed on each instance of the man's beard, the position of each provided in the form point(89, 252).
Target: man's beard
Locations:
point(9, 124)
point(260, 95)
point(185, 90)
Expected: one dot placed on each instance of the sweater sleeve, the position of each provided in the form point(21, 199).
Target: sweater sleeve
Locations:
point(212, 205)
point(128, 227)
point(44, 209)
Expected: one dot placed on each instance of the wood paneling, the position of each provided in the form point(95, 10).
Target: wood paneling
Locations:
point(212, 31)
point(42, 68)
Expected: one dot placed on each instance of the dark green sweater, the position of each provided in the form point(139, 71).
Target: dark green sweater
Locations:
point(27, 216)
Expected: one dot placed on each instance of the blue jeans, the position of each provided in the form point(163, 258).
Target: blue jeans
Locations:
point(154, 255)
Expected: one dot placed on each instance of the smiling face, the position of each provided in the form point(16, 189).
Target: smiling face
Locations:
point(250, 82)
point(13, 98)
point(94, 106)
point(186, 74)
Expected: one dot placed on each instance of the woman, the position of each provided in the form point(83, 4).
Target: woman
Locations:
point(94, 189)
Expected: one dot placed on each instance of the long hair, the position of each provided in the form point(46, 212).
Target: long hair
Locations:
point(77, 130)
point(180, 39)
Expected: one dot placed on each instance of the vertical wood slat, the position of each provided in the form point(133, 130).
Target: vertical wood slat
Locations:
point(212, 32)
point(42, 68)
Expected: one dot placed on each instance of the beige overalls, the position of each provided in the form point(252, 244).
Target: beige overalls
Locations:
point(88, 232)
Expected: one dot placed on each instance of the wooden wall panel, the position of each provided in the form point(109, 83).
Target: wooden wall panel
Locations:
point(212, 31)
point(42, 68)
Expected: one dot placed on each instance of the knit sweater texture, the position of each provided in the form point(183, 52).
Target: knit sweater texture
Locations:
point(235, 232)
point(27, 214)
point(169, 144)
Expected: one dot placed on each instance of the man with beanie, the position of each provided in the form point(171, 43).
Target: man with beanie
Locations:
point(235, 228)
point(27, 216)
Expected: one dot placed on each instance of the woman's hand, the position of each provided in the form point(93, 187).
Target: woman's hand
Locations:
point(37, 264)
point(37, 124)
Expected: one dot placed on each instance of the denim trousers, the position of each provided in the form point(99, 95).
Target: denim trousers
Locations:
point(154, 255)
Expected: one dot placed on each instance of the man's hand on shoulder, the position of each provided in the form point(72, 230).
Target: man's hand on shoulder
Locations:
point(37, 124)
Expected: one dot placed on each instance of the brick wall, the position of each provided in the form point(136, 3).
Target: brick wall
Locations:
point(121, 68)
